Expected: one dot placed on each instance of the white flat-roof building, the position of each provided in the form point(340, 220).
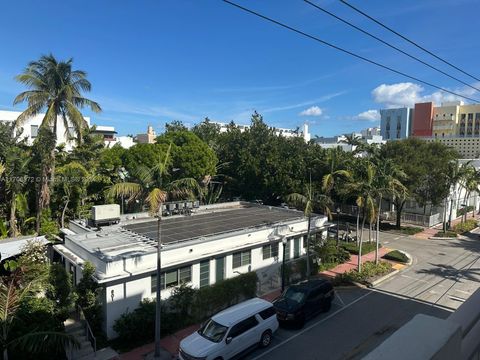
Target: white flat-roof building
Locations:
point(216, 242)
point(31, 126)
point(303, 132)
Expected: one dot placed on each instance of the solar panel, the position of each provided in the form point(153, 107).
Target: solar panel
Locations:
point(190, 227)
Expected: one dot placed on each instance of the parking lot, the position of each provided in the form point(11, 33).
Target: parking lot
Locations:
point(358, 321)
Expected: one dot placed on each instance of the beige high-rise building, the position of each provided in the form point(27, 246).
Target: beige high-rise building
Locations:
point(148, 138)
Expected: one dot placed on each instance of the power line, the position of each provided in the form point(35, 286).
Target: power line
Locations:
point(389, 45)
point(345, 51)
point(407, 39)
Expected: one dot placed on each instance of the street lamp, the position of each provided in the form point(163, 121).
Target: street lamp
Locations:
point(338, 225)
point(284, 242)
point(159, 283)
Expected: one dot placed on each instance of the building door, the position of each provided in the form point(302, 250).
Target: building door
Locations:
point(219, 269)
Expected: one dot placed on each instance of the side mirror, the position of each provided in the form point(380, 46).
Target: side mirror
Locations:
point(228, 340)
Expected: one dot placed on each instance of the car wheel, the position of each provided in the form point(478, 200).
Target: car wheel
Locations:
point(300, 323)
point(266, 339)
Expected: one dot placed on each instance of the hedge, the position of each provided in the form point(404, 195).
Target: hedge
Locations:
point(186, 306)
point(450, 234)
point(463, 210)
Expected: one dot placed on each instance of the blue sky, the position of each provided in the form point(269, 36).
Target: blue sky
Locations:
point(152, 62)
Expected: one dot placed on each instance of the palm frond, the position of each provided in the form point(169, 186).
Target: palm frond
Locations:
point(126, 189)
point(42, 341)
point(155, 199)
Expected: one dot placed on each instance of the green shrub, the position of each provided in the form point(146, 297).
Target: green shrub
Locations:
point(465, 226)
point(396, 255)
point(450, 234)
point(407, 230)
point(367, 247)
point(463, 210)
point(369, 271)
point(186, 306)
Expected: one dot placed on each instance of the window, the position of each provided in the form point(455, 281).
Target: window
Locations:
point(296, 248)
point(219, 269)
point(267, 313)
point(243, 326)
point(287, 250)
point(241, 258)
point(171, 278)
point(33, 131)
point(205, 273)
point(269, 251)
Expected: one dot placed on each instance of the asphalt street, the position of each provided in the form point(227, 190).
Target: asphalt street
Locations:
point(443, 274)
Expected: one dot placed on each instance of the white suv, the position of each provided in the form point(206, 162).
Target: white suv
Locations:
point(231, 332)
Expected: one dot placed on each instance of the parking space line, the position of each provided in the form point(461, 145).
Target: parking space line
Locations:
point(339, 298)
point(310, 327)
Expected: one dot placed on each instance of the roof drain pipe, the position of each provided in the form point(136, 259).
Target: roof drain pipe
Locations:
point(125, 265)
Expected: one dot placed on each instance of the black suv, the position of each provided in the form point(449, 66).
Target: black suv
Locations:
point(304, 300)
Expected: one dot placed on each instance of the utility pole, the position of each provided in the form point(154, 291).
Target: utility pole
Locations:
point(158, 292)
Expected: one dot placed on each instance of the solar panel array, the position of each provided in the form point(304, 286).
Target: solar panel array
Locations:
point(190, 227)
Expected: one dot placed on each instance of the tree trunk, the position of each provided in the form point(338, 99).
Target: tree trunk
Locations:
point(445, 215)
point(377, 237)
point(65, 209)
point(474, 205)
point(398, 209)
point(465, 202)
point(13, 231)
point(358, 225)
point(359, 269)
point(43, 200)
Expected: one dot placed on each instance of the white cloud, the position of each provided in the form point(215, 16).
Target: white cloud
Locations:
point(397, 95)
point(304, 103)
point(312, 111)
point(407, 94)
point(369, 115)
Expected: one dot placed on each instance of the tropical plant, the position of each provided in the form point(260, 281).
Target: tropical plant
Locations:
point(56, 88)
point(13, 291)
point(152, 185)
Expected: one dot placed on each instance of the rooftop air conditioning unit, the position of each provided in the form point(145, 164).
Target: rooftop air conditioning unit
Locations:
point(105, 214)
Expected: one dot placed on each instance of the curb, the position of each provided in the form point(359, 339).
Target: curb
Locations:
point(378, 281)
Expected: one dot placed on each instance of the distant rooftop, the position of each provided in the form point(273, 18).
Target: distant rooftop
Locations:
point(136, 237)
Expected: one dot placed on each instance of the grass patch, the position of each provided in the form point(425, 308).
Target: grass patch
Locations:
point(407, 230)
point(367, 247)
point(465, 226)
point(449, 234)
point(396, 255)
point(369, 272)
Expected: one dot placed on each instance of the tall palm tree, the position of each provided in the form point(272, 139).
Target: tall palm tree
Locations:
point(309, 201)
point(388, 183)
point(12, 292)
point(151, 185)
point(470, 182)
point(335, 173)
point(362, 186)
point(54, 87)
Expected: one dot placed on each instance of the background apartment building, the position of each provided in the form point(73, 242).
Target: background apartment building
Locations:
point(454, 124)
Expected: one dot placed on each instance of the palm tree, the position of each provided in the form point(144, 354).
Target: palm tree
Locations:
point(362, 186)
point(58, 89)
point(470, 182)
point(73, 183)
point(388, 182)
point(12, 293)
point(329, 180)
point(151, 186)
point(309, 201)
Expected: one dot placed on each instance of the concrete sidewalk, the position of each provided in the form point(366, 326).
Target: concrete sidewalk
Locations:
point(430, 232)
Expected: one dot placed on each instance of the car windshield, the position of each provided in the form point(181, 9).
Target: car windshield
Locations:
point(213, 331)
point(294, 295)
